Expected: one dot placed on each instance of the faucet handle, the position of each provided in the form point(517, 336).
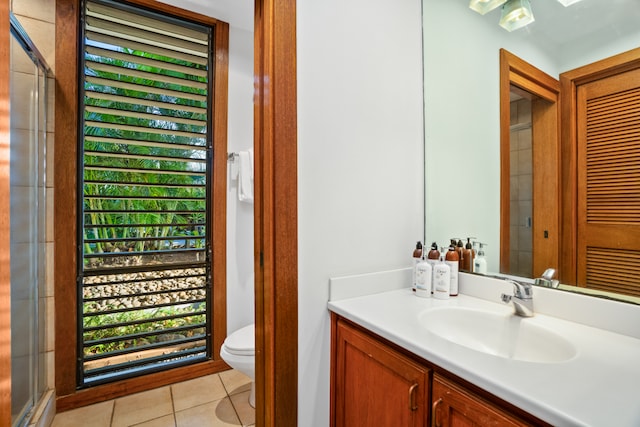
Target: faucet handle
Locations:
point(549, 273)
point(522, 298)
point(547, 279)
point(521, 290)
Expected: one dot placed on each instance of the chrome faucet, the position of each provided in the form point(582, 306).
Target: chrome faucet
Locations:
point(522, 298)
point(547, 279)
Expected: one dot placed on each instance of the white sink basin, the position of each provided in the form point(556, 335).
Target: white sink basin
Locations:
point(499, 334)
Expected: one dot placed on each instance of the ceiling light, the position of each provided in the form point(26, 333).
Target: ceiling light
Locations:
point(566, 3)
point(484, 6)
point(516, 14)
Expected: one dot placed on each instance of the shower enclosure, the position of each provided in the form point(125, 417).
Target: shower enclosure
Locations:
point(28, 80)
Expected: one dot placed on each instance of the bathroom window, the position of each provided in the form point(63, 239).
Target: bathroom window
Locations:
point(145, 194)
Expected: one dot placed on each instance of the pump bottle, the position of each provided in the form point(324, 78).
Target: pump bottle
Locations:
point(480, 263)
point(432, 257)
point(468, 256)
point(417, 257)
point(453, 261)
point(460, 250)
point(423, 279)
point(441, 280)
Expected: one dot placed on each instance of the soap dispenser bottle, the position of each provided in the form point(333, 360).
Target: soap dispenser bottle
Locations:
point(423, 279)
point(434, 254)
point(433, 257)
point(417, 257)
point(441, 279)
point(480, 263)
point(453, 261)
point(460, 250)
point(468, 256)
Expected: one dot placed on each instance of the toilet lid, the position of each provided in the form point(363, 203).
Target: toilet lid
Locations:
point(242, 341)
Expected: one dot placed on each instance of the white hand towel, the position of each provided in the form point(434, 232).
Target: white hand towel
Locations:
point(245, 173)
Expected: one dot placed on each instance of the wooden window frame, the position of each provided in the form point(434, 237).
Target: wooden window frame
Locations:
point(65, 214)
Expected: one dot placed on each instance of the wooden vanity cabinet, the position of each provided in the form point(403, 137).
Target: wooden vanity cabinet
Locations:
point(454, 405)
point(374, 385)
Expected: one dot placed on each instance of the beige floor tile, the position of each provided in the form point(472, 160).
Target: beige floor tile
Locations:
point(213, 414)
point(235, 381)
point(139, 407)
point(245, 411)
point(166, 421)
point(196, 392)
point(98, 415)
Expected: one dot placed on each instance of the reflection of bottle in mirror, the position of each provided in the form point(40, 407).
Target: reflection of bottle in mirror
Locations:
point(417, 257)
point(441, 280)
point(468, 256)
point(460, 250)
point(480, 264)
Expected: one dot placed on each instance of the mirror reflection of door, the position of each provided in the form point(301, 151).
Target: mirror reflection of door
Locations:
point(529, 133)
point(521, 184)
point(609, 183)
point(532, 172)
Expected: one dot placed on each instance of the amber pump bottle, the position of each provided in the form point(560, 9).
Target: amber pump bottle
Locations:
point(453, 261)
point(468, 255)
point(460, 250)
point(434, 253)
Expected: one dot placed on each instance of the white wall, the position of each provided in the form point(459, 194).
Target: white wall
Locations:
point(240, 298)
point(360, 161)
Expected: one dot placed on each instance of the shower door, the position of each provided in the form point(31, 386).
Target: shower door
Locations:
point(27, 213)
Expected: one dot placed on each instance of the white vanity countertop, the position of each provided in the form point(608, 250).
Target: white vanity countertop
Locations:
point(600, 386)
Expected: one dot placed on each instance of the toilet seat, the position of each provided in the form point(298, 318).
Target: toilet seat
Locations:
point(241, 342)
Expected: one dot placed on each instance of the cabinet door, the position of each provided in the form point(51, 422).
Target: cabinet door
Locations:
point(375, 385)
point(455, 406)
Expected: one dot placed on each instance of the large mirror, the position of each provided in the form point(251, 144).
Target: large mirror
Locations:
point(462, 99)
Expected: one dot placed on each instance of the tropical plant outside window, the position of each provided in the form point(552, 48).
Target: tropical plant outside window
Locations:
point(145, 279)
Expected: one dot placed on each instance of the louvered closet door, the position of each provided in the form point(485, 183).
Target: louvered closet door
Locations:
point(609, 184)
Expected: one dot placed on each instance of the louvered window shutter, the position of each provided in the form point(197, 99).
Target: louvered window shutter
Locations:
point(145, 276)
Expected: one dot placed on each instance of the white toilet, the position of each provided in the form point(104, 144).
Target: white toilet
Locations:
point(238, 350)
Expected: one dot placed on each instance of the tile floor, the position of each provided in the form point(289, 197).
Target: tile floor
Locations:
point(212, 401)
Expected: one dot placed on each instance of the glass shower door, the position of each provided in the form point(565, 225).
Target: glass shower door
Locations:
point(27, 213)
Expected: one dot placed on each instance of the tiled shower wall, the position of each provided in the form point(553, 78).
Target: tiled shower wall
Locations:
point(521, 185)
point(38, 19)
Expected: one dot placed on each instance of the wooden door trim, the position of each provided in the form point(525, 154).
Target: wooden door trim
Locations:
point(5, 264)
point(276, 238)
point(518, 72)
point(569, 82)
point(64, 189)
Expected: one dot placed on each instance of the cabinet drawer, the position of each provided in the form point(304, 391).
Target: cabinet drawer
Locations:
point(456, 406)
